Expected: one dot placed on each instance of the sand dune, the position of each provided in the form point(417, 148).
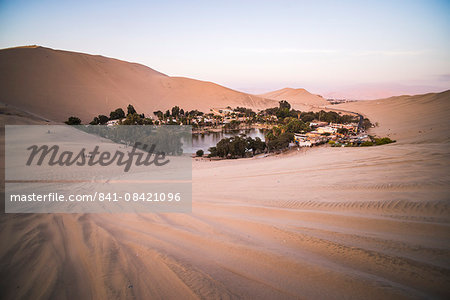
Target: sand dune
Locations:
point(376, 91)
point(325, 223)
point(299, 98)
point(12, 116)
point(420, 118)
point(57, 84)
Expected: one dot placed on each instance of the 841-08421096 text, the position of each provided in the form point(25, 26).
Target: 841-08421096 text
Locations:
point(102, 197)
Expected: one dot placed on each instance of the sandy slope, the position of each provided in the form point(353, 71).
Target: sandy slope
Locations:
point(327, 223)
point(420, 118)
point(299, 98)
point(12, 116)
point(57, 84)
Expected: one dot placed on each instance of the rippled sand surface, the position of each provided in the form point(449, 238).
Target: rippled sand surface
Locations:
point(326, 223)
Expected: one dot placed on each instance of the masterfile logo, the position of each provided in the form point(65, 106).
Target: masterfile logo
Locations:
point(53, 156)
point(74, 169)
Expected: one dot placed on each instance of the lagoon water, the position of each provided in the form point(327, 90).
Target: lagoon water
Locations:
point(204, 141)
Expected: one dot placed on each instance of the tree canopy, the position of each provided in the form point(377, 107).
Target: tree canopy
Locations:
point(117, 114)
point(73, 121)
point(237, 146)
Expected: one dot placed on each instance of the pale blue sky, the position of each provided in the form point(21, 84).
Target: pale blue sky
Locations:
point(251, 45)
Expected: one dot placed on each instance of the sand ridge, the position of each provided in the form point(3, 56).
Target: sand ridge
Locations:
point(57, 84)
point(299, 99)
point(410, 119)
point(322, 223)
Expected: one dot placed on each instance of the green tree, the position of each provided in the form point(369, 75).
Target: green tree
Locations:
point(280, 141)
point(230, 147)
point(73, 121)
point(294, 125)
point(255, 145)
point(383, 141)
point(159, 114)
point(284, 104)
point(212, 152)
point(233, 125)
point(307, 116)
point(147, 121)
point(282, 113)
point(366, 144)
point(199, 153)
point(102, 119)
point(366, 123)
point(117, 114)
point(133, 119)
point(175, 111)
point(237, 146)
point(130, 110)
point(95, 121)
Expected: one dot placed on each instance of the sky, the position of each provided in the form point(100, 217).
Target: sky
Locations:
point(335, 48)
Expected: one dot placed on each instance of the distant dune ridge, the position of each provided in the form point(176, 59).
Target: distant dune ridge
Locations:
point(379, 90)
point(415, 119)
point(298, 98)
point(56, 84)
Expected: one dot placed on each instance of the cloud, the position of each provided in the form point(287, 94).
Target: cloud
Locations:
point(287, 50)
point(443, 77)
point(330, 51)
point(389, 53)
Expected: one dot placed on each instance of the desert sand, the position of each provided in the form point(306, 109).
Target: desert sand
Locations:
point(410, 119)
point(57, 84)
point(299, 99)
point(323, 223)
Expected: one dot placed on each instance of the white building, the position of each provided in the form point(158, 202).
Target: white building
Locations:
point(113, 122)
point(326, 129)
point(304, 143)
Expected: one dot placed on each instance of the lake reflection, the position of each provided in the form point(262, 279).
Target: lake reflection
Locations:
point(210, 139)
